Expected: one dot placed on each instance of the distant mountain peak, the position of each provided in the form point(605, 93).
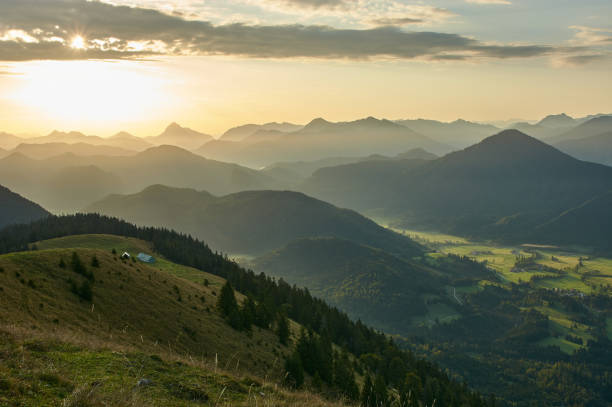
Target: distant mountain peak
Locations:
point(510, 145)
point(512, 136)
point(65, 133)
point(557, 120)
point(166, 151)
point(123, 134)
point(174, 126)
point(317, 122)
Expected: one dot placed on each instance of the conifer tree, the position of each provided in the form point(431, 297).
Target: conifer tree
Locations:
point(227, 303)
point(282, 329)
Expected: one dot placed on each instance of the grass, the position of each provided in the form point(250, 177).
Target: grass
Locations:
point(566, 282)
point(132, 246)
point(129, 300)
point(563, 323)
point(576, 272)
point(59, 349)
point(439, 312)
point(48, 372)
point(563, 344)
point(502, 259)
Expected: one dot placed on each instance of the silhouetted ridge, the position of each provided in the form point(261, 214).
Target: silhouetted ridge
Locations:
point(16, 209)
point(317, 124)
point(510, 144)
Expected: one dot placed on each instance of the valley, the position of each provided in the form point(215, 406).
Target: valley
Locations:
point(319, 256)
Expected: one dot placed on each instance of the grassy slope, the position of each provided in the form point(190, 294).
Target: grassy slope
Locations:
point(77, 341)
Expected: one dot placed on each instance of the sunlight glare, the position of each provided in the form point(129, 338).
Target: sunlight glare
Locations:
point(78, 42)
point(92, 91)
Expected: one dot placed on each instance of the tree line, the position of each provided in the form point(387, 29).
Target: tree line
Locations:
point(269, 302)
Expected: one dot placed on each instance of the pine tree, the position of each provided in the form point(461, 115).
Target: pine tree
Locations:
point(85, 291)
point(411, 390)
point(367, 396)
point(379, 392)
point(76, 264)
point(227, 303)
point(247, 313)
point(294, 376)
point(282, 329)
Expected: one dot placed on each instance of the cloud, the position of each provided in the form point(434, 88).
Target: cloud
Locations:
point(503, 2)
point(317, 3)
point(579, 60)
point(592, 36)
point(395, 21)
point(115, 32)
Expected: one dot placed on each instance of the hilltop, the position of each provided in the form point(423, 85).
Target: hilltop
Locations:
point(179, 136)
point(249, 221)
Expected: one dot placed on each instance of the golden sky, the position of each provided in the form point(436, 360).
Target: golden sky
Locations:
point(239, 61)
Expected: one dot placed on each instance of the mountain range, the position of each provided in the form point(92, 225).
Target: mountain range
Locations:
point(504, 186)
point(596, 148)
point(458, 134)
point(321, 139)
point(245, 131)
point(250, 222)
point(179, 136)
point(294, 172)
point(94, 177)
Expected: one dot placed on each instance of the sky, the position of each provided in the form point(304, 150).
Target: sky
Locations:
point(137, 65)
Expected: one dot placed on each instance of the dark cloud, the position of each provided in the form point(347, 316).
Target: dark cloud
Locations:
point(101, 21)
point(316, 3)
point(449, 57)
point(396, 21)
point(577, 60)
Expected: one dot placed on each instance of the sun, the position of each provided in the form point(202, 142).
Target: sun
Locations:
point(78, 42)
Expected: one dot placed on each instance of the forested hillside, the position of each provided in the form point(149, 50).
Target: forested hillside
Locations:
point(382, 365)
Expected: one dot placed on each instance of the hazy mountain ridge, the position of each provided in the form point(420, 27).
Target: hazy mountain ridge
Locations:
point(38, 179)
point(50, 149)
point(593, 127)
point(251, 221)
point(295, 172)
point(459, 133)
point(242, 132)
point(508, 174)
point(597, 149)
point(17, 209)
point(9, 141)
point(180, 136)
point(321, 139)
